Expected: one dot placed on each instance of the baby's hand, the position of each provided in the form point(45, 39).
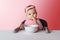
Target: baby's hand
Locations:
point(33, 18)
point(22, 26)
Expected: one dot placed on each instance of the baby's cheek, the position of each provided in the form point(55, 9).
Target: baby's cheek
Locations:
point(35, 15)
point(30, 17)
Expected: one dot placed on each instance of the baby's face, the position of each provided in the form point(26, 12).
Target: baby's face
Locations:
point(31, 13)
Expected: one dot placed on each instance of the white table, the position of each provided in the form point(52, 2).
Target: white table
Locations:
point(9, 35)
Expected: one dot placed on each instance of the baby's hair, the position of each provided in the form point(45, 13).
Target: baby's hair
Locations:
point(29, 7)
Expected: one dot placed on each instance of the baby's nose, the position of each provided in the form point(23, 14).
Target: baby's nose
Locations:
point(32, 14)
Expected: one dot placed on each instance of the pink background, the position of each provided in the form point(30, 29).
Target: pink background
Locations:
point(12, 12)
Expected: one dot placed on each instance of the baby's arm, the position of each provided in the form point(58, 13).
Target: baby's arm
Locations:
point(39, 24)
point(21, 27)
point(36, 20)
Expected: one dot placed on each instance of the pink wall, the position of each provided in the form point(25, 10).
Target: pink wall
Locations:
point(12, 12)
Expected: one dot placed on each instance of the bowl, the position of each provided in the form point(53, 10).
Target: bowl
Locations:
point(31, 28)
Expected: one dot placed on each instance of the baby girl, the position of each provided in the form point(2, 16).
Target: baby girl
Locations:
point(31, 19)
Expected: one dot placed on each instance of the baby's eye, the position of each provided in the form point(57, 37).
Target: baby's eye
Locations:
point(29, 14)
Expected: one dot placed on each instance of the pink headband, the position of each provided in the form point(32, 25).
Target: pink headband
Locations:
point(30, 7)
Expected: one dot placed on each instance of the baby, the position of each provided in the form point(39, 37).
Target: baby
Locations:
point(31, 19)
point(32, 16)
